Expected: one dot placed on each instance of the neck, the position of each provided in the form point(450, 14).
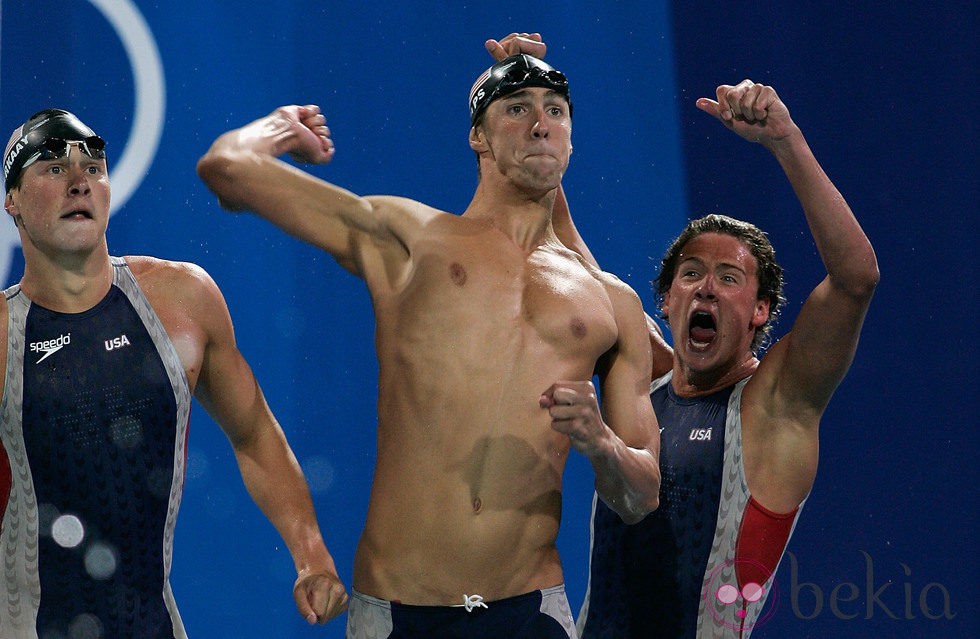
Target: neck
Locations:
point(70, 284)
point(523, 216)
point(690, 383)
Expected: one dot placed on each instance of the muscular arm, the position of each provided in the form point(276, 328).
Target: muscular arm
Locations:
point(242, 168)
point(798, 376)
point(631, 476)
point(230, 393)
point(623, 441)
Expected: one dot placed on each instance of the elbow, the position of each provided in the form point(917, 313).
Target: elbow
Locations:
point(636, 512)
point(217, 171)
point(873, 274)
point(213, 168)
point(637, 506)
point(871, 283)
point(652, 501)
point(867, 281)
point(868, 276)
point(861, 279)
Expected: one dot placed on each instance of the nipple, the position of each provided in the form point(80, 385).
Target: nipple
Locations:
point(457, 273)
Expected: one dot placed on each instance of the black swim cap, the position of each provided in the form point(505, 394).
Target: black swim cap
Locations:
point(26, 142)
point(513, 74)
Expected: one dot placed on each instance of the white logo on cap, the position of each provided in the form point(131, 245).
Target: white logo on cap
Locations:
point(14, 152)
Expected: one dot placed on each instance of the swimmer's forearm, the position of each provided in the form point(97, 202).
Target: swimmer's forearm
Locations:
point(628, 481)
point(844, 248)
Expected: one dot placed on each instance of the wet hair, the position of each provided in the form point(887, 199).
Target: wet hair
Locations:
point(28, 140)
point(768, 272)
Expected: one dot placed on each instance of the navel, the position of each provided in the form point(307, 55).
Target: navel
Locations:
point(457, 273)
point(477, 505)
point(578, 327)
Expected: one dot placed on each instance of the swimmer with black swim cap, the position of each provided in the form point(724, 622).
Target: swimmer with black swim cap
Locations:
point(47, 135)
point(513, 74)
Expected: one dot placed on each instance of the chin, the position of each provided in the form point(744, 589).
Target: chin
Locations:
point(538, 187)
point(700, 360)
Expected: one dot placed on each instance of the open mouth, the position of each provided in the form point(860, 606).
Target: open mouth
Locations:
point(702, 328)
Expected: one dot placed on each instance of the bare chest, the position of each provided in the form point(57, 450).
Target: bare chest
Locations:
point(498, 294)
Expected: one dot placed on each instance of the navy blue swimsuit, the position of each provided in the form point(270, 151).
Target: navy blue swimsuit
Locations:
point(94, 425)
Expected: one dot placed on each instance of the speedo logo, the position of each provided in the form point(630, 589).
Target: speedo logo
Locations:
point(50, 347)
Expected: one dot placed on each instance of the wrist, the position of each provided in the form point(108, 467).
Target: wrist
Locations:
point(788, 143)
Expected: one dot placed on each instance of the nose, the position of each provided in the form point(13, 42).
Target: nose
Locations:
point(706, 288)
point(540, 129)
point(78, 185)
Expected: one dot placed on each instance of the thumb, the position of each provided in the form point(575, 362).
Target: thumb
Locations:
point(710, 107)
point(494, 49)
point(306, 110)
point(302, 596)
point(305, 608)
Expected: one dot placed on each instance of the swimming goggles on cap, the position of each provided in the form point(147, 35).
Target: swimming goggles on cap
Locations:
point(57, 148)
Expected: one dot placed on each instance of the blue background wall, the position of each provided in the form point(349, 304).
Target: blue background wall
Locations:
point(885, 95)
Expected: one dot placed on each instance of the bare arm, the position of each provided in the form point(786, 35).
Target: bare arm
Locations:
point(230, 393)
point(824, 336)
point(242, 168)
point(798, 376)
point(623, 441)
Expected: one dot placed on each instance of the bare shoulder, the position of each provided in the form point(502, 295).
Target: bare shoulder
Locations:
point(189, 305)
point(621, 295)
point(398, 201)
point(159, 271)
point(167, 282)
point(403, 207)
point(619, 291)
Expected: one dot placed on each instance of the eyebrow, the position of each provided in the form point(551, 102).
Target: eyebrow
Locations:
point(68, 161)
point(694, 258)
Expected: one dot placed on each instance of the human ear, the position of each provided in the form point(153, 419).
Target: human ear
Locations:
point(478, 141)
point(9, 206)
point(761, 313)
